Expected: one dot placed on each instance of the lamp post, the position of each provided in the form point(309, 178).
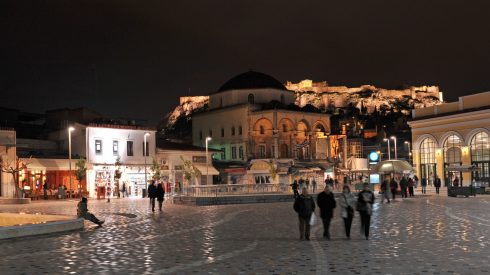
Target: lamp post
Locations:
point(70, 129)
point(409, 152)
point(389, 150)
point(207, 160)
point(144, 153)
point(394, 138)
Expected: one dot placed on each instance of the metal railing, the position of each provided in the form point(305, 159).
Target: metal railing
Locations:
point(235, 189)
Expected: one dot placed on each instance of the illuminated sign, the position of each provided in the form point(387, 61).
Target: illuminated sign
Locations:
point(373, 157)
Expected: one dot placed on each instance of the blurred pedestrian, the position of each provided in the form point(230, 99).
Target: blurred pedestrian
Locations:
point(411, 185)
point(347, 203)
point(423, 183)
point(124, 190)
point(393, 187)
point(437, 184)
point(152, 194)
point(304, 205)
point(326, 203)
point(294, 186)
point(365, 203)
point(313, 183)
point(385, 191)
point(160, 193)
point(404, 186)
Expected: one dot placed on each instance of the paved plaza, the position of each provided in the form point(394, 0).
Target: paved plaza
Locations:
point(422, 235)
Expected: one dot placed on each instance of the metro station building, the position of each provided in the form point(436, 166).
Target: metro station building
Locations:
point(451, 135)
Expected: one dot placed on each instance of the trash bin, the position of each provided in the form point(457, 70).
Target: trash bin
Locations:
point(143, 193)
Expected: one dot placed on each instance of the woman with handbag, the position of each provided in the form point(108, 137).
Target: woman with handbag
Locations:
point(347, 204)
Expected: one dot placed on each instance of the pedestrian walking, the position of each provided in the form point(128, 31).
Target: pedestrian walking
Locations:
point(301, 183)
point(411, 185)
point(152, 194)
point(437, 184)
point(124, 190)
point(116, 190)
point(313, 183)
point(347, 203)
point(326, 203)
point(416, 180)
point(307, 184)
point(294, 186)
point(456, 182)
point(404, 186)
point(45, 188)
point(160, 193)
point(423, 183)
point(385, 191)
point(393, 188)
point(304, 205)
point(82, 212)
point(365, 203)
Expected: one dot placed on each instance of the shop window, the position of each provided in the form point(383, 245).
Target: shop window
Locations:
point(251, 99)
point(240, 152)
point(223, 153)
point(129, 148)
point(115, 147)
point(98, 147)
point(262, 151)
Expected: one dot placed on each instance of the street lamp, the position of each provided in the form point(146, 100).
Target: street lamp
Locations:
point(394, 138)
point(144, 153)
point(208, 139)
point(70, 129)
point(409, 152)
point(389, 150)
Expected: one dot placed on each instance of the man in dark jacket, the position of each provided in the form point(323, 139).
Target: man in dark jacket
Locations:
point(365, 203)
point(393, 187)
point(404, 186)
point(294, 186)
point(160, 193)
point(152, 194)
point(437, 184)
point(304, 205)
point(326, 203)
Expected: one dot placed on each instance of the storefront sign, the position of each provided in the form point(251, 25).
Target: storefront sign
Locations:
point(199, 159)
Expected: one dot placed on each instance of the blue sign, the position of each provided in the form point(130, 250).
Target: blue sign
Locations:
point(373, 157)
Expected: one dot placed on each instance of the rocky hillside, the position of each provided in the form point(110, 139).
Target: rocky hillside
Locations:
point(324, 97)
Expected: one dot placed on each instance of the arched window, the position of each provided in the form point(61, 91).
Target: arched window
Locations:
point(262, 130)
point(452, 149)
point(251, 99)
point(452, 156)
point(480, 150)
point(428, 160)
point(480, 157)
point(284, 128)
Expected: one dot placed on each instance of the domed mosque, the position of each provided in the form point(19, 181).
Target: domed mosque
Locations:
point(242, 124)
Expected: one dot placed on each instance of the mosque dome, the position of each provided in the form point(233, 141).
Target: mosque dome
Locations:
point(251, 80)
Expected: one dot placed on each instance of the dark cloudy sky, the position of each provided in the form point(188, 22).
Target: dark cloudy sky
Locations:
point(135, 58)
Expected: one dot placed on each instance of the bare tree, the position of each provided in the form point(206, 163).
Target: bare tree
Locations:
point(13, 167)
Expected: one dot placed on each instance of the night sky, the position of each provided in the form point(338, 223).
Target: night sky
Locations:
point(135, 58)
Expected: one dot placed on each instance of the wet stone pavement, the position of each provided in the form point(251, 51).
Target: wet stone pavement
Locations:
point(422, 235)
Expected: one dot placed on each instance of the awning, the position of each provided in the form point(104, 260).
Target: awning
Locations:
point(202, 168)
point(50, 164)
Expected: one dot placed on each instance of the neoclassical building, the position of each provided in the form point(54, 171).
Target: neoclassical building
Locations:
point(451, 135)
point(252, 116)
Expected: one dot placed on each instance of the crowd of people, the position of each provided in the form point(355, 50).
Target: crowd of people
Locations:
point(305, 205)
